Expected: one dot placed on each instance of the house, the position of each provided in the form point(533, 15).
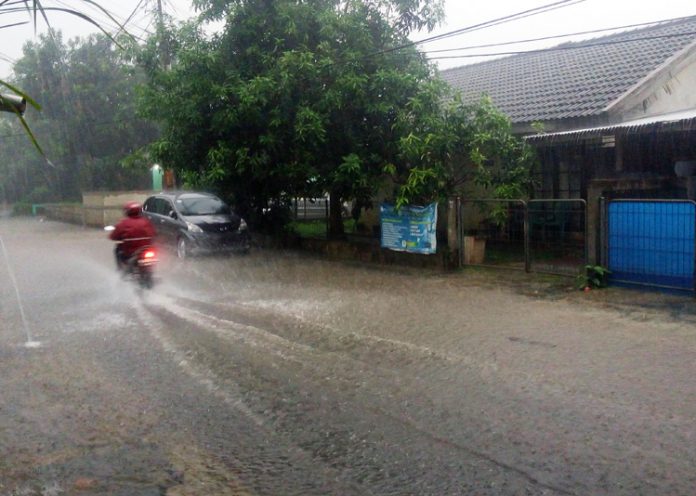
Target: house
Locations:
point(618, 113)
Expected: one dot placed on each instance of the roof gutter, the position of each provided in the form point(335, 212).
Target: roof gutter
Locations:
point(675, 121)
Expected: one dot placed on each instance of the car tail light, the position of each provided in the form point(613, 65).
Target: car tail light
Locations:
point(149, 254)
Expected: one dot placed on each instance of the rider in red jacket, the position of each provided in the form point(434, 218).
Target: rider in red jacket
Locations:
point(134, 232)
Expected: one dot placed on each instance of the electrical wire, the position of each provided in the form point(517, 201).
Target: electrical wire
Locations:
point(553, 37)
point(128, 19)
point(7, 59)
point(567, 47)
point(121, 21)
point(493, 22)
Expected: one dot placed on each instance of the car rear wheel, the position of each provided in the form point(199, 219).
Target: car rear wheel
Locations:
point(182, 248)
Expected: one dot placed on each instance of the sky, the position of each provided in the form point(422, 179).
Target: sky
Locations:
point(575, 16)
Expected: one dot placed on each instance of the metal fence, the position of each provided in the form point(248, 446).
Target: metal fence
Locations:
point(492, 232)
point(650, 242)
point(547, 236)
point(316, 208)
point(557, 235)
point(310, 208)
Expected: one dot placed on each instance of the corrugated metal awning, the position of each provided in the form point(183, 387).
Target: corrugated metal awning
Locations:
point(684, 120)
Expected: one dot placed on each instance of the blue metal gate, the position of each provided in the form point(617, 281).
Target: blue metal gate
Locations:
point(652, 243)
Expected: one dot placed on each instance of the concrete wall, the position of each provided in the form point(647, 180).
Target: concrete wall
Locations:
point(103, 208)
point(371, 252)
point(72, 214)
point(668, 89)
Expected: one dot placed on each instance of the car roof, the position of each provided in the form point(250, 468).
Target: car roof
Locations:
point(173, 195)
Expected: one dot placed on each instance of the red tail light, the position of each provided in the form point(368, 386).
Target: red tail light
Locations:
point(149, 254)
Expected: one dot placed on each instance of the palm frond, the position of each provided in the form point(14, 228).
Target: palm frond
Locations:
point(36, 8)
point(19, 92)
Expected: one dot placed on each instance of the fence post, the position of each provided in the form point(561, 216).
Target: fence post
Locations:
point(460, 232)
point(587, 228)
point(527, 254)
point(603, 233)
point(327, 212)
point(452, 229)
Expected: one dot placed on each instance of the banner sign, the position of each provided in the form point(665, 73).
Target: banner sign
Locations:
point(411, 229)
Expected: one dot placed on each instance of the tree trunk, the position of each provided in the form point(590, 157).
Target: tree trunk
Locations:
point(336, 217)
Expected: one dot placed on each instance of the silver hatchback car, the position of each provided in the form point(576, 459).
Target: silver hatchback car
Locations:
point(196, 223)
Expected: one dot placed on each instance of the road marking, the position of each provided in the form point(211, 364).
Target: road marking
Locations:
point(30, 343)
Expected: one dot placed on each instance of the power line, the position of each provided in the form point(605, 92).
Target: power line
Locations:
point(120, 21)
point(7, 59)
point(170, 4)
point(145, 30)
point(567, 47)
point(128, 19)
point(553, 37)
point(493, 22)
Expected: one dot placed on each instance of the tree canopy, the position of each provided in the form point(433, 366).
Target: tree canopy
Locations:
point(36, 11)
point(450, 147)
point(292, 98)
point(87, 125)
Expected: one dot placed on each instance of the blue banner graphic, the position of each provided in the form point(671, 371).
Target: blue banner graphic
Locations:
point(411, 229)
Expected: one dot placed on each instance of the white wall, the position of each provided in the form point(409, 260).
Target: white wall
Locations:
point(104, 207)
point(670, 89)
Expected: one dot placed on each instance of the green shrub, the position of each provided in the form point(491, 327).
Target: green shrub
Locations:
point(593, 276)
point(21, 208)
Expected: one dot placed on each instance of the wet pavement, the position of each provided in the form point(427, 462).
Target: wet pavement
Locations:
point(280, 374)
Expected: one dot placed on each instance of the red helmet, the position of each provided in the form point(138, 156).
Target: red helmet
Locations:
point(132, 209)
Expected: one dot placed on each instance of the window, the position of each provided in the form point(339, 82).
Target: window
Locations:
point(162, 206)
point(149, 205)
point(201, 205)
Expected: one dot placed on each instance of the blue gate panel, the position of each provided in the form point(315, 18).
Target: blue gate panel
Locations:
point(652, 243)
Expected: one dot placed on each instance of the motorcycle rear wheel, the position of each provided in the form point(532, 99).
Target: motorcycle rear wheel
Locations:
point(146, 280)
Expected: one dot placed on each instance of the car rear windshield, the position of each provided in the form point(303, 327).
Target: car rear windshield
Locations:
point(202, 205)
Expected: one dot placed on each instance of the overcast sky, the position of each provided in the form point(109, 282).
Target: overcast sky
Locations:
point(583, 15)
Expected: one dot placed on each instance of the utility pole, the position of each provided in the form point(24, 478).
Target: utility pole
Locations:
point(164, 40)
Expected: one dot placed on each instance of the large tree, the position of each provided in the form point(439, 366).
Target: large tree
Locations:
point(294, 97)
point(448, 147)
point(35, 11)
point(87, 126)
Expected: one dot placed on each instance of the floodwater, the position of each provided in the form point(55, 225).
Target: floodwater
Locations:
point(280, 374)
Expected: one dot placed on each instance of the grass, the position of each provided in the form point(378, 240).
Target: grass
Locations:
point(316, 228)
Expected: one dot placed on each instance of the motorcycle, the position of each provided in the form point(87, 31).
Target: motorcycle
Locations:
point(140, 265)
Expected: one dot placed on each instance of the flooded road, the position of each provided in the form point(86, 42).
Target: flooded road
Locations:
point(278, 374)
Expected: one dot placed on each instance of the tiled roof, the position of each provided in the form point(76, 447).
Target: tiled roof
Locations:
point(572, 80)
